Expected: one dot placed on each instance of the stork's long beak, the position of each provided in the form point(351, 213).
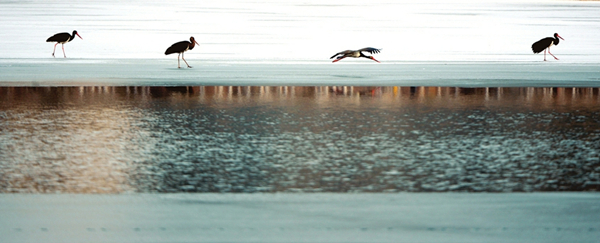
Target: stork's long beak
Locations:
point(375, 59)
point(560, 37)
point(79, 36)
point(196, 42)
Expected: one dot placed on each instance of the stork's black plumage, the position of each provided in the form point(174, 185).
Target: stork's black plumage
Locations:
point(62, 38)
point(356, 53)
point(181, 47)
point(546, 43)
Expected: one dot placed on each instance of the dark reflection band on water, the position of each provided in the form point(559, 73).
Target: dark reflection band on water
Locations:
point(279, 139)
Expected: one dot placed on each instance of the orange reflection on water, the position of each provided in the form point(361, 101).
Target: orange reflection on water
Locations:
point(446, 96)
point(111, 139)
point(68, 140)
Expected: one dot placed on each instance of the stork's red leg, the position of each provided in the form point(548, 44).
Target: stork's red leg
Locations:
point(185, 61)
point(178, 66)
point(53, 51)
point(338, 59)
point(63, 48)
point(551, 53)
point(544, 54)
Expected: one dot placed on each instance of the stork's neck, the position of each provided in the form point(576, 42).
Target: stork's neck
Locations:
point(556, 40)
point(191, 45)
point(72, 36)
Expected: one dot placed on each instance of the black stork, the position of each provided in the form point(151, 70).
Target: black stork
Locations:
point(62, 38)
point(181, 47)
point(356, 53)
point(546, 43)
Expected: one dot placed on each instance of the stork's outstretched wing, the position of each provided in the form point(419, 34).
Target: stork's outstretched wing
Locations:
point(342, 53)
point(370, 50)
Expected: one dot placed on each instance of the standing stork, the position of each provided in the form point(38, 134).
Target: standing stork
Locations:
point(546, 43)
point(181, 47)
point(356, 53)
point(62, 38)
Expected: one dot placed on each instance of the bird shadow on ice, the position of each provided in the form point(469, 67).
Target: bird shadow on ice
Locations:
point(348, 76)
point(179, 69)
point(190, 201)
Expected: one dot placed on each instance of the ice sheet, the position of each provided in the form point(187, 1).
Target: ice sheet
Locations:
point(538, 217)
point(155, 72)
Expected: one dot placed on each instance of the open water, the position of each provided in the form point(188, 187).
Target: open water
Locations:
point(298, 138)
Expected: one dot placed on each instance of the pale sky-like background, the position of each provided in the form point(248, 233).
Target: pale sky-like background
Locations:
point(313, 30)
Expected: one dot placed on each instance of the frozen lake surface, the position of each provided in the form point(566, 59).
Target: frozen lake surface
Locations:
point(315, 217)
point(154, 72)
